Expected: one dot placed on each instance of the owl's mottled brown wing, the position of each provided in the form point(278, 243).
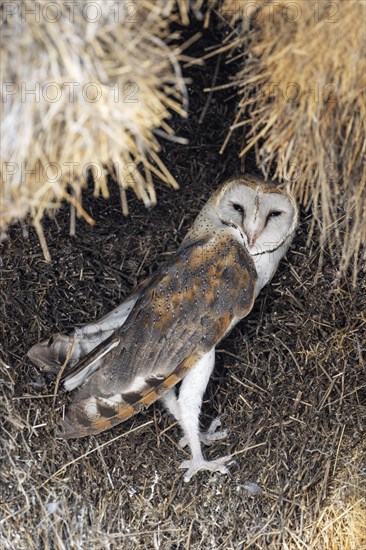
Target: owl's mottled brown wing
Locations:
point(183, 312)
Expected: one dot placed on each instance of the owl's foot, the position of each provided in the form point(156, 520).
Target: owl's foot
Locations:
point(208, 437)
point(194, 466)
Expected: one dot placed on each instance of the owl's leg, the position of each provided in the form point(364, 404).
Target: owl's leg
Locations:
point(51, 354)
point(189, 402)
point(170, 401)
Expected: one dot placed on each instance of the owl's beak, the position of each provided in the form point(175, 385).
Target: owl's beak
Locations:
point(251, 238)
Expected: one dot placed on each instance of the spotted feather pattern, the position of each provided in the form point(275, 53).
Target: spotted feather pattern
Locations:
point(183, 311)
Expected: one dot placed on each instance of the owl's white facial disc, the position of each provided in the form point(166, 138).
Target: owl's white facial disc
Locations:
point(267, 219)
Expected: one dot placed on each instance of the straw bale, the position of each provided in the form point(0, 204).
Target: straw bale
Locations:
point(302, 106)
point(85, 86)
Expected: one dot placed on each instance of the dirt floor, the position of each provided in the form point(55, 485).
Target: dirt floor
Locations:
point(289, 382)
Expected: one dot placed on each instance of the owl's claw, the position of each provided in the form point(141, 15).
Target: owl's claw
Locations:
point(208, 437)
point(194, 466)
point(211, 434)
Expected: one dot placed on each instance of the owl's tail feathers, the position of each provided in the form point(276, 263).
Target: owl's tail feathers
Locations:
point(96, 414)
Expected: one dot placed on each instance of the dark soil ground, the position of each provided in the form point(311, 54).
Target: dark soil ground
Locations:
point(289, 381)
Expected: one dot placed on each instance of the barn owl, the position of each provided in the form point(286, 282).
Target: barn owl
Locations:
point(167, 331)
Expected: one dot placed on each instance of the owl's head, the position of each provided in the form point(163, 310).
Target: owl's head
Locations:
point(265, 215)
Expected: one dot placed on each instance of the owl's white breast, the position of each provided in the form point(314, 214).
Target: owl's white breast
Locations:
point(267, 263)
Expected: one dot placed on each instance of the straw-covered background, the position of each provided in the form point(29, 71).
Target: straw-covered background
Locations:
point(289, 381)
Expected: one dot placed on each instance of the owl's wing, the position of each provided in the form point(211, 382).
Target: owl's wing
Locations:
point(184, 311)
point(51, 354)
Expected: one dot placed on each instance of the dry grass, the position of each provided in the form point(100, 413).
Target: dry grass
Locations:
point(302, 89)
point(342, 521)
point(290, 383)
point(106, 76)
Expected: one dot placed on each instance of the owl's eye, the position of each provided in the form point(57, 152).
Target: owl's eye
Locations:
point(238, 207)
point(274, 214)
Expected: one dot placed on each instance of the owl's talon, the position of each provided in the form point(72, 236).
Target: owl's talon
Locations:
point(194, 466)
point(211, 434)
point(208, 437)
point(216, 423)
